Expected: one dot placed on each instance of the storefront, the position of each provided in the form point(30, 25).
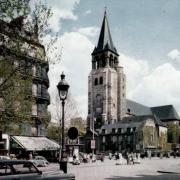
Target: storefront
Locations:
point(22, 146)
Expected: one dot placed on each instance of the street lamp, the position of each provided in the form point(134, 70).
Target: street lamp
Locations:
point(63, 91)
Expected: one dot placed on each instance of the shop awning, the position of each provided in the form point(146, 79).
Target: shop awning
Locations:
point(30, 143)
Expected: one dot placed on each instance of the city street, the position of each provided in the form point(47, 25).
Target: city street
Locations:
point(108, 170)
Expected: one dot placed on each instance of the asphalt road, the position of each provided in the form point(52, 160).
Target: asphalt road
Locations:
point(108, 170)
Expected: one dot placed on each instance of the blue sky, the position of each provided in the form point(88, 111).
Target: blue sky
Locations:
point(145, 33)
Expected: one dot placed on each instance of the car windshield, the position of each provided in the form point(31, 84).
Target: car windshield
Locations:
point(7, 169)
point(39, 158)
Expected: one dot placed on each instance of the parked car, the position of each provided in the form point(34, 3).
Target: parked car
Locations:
point(40, 161)
point(76, 162)
point(26, 170)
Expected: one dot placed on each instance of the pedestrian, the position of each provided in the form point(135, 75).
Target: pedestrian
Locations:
point(30, 156)
point(174, 154)
point(110, 156)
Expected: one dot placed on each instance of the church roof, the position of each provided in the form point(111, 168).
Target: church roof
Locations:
point(165, 113)
point(142, 118)
point(137, 108)
point(105, 41)
point(162, 113)
point(131, 122)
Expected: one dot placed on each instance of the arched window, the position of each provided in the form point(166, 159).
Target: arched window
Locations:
point(101, 80)
point(96, 81)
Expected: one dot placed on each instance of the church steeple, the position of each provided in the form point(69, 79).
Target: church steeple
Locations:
point(105, 41)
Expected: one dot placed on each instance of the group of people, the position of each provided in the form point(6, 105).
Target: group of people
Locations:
point(127, 158)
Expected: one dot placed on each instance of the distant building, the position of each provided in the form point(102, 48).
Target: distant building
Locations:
point(33, 64)
point(120, 124)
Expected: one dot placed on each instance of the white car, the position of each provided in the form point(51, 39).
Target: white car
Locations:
point(39, 161)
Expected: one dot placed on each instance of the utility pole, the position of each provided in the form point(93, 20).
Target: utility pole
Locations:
point(93, 137)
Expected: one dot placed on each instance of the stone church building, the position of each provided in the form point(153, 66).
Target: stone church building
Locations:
point(119, 124)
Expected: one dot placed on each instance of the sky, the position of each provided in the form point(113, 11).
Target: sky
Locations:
point(146, 35)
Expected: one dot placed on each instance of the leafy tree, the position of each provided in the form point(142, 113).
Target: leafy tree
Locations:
point(11, 9)
point(14, 84)
point(54, 132)
point(173, 133)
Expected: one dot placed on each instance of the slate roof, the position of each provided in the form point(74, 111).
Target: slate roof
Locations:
point(165, 113)
point(128, 122)
point(137, 108)
point(105, 41)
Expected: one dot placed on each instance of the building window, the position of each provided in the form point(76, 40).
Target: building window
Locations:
point(104, 139)
point(34, 109)
point(43, 91)
point(151, 139)
point(119, 130)
point(114, 139)
point(113, 130)
point(101, 80)
point(39, 89)
point(38, 71)
point(34, 90)
point(128, 130)
point(96, 82)
point(103, 131)
point(34, 70)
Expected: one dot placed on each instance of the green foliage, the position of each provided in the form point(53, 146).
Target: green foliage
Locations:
point(173, 133)
point(149, 136)
point(54, 132)
point(163, 141)
point(16, 102)
point(11, 9)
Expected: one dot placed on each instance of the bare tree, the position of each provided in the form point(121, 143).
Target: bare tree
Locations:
point(71, 110)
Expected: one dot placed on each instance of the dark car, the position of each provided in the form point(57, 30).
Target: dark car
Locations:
point(26, 170)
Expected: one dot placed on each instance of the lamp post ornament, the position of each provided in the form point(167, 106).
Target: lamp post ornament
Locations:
point(63, 87)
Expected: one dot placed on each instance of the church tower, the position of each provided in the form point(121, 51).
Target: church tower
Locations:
point(106, 82)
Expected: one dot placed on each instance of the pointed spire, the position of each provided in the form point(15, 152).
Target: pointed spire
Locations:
point(105, 40)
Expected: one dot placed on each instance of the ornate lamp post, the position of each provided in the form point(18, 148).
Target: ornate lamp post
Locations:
point(63, 91)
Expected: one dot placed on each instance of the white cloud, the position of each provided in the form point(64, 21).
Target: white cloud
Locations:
point(62, 10)
point(174, 54)
point(134, 69)
point(59, 14)
point(160, 87)
point(88, 12)
point(152, 87)
point(76, 64)
point(89, 31)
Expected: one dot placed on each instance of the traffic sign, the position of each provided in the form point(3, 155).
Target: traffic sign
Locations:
point(93, 144)
point(72, 133)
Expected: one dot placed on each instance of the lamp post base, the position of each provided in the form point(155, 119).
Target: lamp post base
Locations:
point(63, 166)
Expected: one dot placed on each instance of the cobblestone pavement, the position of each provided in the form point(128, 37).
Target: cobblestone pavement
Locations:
point(108, 170)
